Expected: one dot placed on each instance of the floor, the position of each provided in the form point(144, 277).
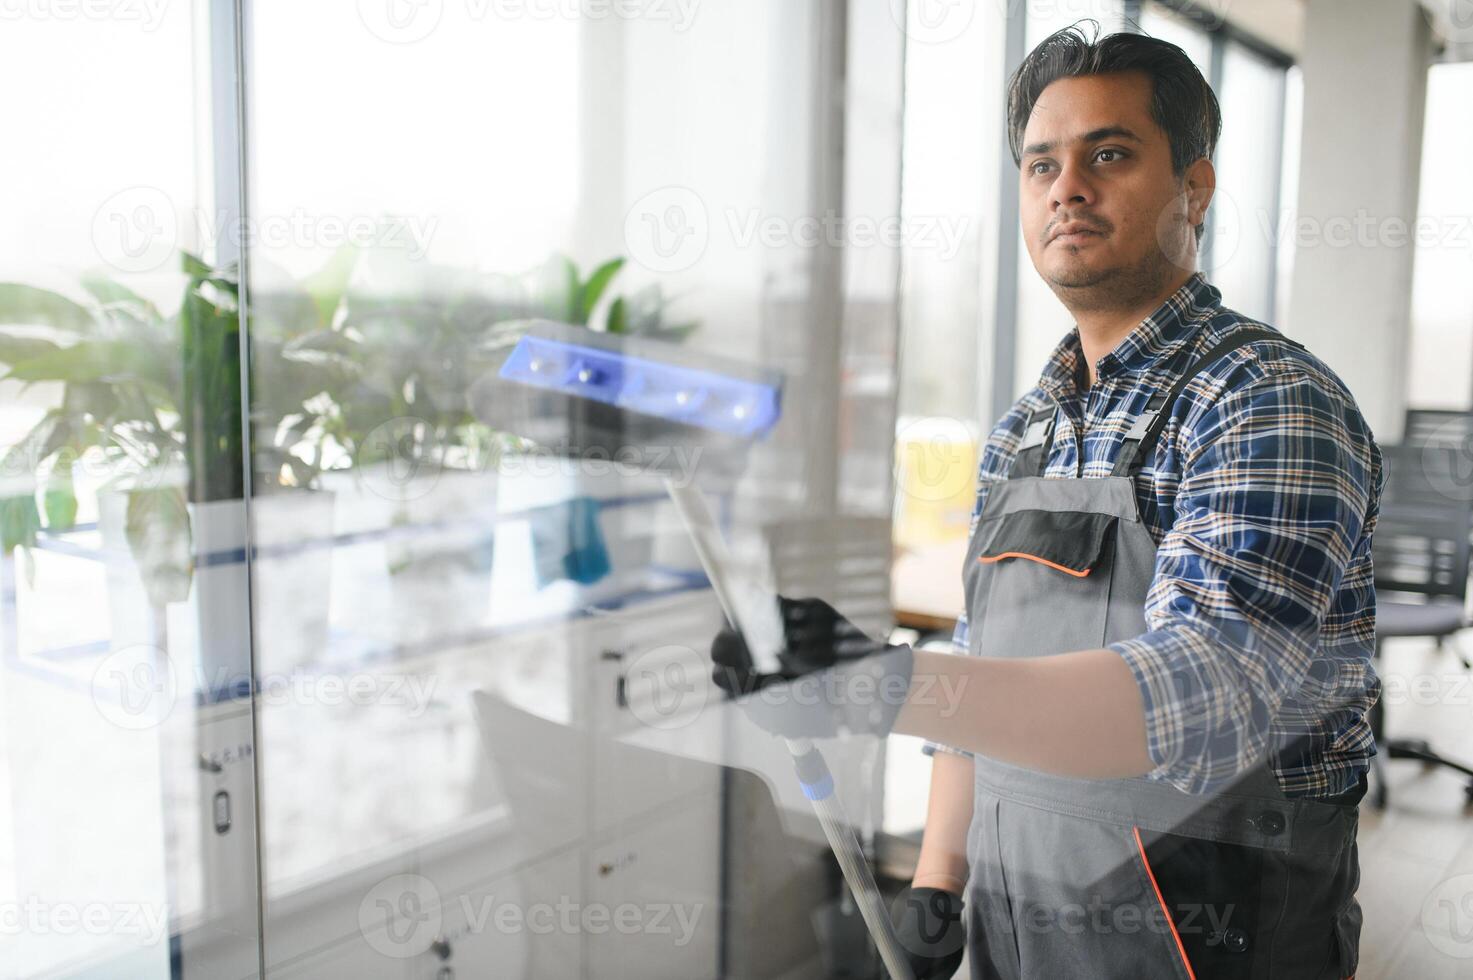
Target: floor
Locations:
point(1417, 856)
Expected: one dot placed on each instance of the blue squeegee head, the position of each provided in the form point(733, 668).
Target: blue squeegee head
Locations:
point(676, 393)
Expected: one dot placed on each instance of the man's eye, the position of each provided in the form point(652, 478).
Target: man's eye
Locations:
point(1109, 156)
point(1038, 168)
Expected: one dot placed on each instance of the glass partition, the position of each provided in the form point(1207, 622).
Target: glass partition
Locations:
point(127, 785)
point(488, 739)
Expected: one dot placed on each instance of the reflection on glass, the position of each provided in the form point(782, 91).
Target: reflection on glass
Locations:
point(485, 710)
point(126, 773)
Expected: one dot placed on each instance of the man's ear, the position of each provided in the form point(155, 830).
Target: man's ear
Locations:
point(1200, 183)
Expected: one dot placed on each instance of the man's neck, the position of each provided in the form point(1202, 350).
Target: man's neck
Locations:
point(1102, 330)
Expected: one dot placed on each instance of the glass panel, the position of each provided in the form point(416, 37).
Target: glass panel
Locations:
point(487, 719)
point(1440, 370)
point(1168, 25)
point(1288, 192)
point(1239, 257)
point(126, 751)
point(1041, 318)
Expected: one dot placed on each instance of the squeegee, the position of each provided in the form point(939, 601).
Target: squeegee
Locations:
point(633, 399)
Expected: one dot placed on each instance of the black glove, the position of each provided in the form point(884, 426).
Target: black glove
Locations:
point(928, 923)
point(832, 676)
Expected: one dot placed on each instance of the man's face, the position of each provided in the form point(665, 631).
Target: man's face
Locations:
point(1103, 215)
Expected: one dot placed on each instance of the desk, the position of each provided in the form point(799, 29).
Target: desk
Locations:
point(926, 586)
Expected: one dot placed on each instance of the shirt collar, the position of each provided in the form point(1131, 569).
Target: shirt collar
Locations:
point(1158, 335)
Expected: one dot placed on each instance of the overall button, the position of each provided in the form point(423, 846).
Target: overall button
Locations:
point(1235, 940)
point(1270, 823)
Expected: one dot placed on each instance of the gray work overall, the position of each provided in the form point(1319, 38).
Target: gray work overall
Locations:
point(1129, 878)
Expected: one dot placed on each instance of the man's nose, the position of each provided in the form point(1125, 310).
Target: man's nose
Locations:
point(1071, 188)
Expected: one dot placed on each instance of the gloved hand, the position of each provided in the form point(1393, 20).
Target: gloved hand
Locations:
point(832, 677)
point(928, 923)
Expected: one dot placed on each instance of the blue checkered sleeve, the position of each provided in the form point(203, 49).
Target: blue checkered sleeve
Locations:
point(1277, 480)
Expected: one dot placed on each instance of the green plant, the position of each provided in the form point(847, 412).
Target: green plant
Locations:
point(108, 350)
point(146, 396)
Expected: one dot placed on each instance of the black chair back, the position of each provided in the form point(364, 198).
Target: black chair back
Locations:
point(1421, 544)
point(1438, 427)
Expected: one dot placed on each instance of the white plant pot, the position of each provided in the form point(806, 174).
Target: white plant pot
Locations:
point(437, 557)
point(292, 584)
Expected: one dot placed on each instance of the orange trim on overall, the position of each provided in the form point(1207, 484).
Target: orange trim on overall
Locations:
point(1162, 900)
point(1041, 561)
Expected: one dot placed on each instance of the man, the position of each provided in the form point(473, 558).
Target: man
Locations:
point(1161, 736)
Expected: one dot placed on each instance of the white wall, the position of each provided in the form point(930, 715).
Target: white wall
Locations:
point(1365, 71)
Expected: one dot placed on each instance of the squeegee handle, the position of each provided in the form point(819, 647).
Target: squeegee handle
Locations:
point(818, 786)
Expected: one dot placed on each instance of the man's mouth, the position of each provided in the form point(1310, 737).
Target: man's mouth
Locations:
point(1073, 233)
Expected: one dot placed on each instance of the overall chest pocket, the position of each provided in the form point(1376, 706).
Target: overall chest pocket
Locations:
point(1038, 582)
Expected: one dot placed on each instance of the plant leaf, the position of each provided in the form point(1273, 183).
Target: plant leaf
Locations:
point(19, 522)
point(194, 266)
point(15, 348)
point(107, 292)
point(89, 360)
point(598, 281)
point(33, 306)
point(327, 285)
point(158, 532)
point(618, 319)
point(60, 500)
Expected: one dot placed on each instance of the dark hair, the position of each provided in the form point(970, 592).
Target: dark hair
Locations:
point(1182, 103)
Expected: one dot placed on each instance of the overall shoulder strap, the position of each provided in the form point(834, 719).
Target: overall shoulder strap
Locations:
point(1140, 441)
point(1033, 448)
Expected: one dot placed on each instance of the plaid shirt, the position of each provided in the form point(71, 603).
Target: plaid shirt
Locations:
point(1261, 614)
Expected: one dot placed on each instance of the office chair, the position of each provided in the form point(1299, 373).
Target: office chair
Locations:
point(1438, 427)
point(1449, 428)
point(1421, 551)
